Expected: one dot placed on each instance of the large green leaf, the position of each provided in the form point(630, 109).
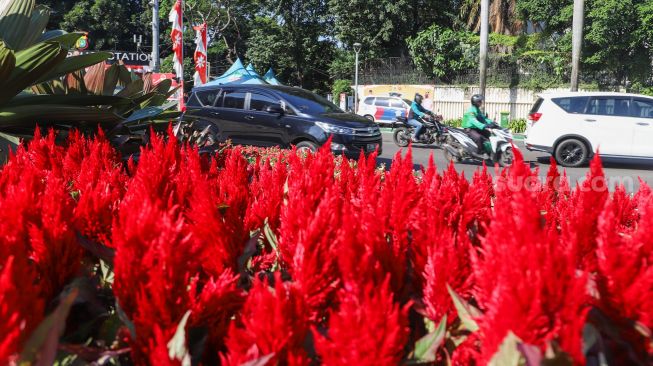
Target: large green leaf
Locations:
point(132, 89)
point(31, 64)
point(426, 348)
point(508, 354)
point(7, 61)
point(45, 115)
point(74, 100)
point(15, 17)
point(38, 22)
point(75, 63)
point(67, 40)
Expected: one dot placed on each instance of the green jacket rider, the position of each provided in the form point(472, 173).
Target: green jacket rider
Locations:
point(475, 123)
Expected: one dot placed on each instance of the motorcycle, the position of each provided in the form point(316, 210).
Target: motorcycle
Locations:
point(458, 146)
point(433, 132)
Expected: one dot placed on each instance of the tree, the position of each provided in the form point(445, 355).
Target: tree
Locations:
point(503, 16)
point(383, 26)
point(442, 52)
point(268, 46)
point(110, 24)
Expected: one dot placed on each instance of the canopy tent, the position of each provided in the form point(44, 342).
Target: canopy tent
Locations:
point(271, 78)
point(237, 74)
point(250, 69)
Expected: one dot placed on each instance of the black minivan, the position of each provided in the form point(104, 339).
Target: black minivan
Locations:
point(268, 115)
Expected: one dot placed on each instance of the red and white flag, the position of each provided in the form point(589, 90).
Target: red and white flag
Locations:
point(200, 54)
point(177, 34)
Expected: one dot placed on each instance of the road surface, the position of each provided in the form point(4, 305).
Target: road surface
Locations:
point(626, 174)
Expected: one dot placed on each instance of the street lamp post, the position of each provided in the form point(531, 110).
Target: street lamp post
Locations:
point(485, 30)
point(357, 49)
point(156, 62)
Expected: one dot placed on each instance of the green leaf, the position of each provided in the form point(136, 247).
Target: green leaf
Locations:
point(177, 349)
point(44, 115)
point(45, 339)
point(75, 63)
point(132, 89)
point(508, 353)
point(38, 22)
point(73, 100)
point(7, 61)
point(163, 87)
point(15, 17)
point(67, 40)
point(31, 64)
point(466, 311)
point(426, 348)
point(144, 114)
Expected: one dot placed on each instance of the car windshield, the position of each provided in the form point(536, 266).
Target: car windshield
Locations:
point(310, 103)
point(408, 101)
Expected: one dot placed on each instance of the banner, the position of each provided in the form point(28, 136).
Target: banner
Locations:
point(200, 54)
point(176, 18)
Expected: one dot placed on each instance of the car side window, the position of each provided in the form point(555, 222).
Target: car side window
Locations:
point(642, 108)
point(396, 103)
point(610, 107)
point(234, 100)
point(193, 101)
point(207, 97)
point(382, 102)
point(571, 104)
point(258, 102)
point(368, 101)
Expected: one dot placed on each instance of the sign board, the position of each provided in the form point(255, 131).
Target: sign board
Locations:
point(127, 57)
point(343, 101)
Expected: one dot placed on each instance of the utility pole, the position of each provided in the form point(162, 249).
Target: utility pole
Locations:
point(577, 42)
point(357, 49)
point(156, 61)
point(485, 32)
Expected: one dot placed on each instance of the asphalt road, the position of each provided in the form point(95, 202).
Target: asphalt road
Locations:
point(625, 174)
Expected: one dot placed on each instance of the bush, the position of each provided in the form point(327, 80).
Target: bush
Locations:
point(341, 86)
point(309, 258)
point(517, 125)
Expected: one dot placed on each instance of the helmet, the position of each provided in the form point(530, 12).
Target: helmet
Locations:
point(477, 99)
point(418, 98)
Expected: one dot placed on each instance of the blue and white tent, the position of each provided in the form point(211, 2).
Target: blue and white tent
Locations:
point(271, 78)
point(237, 74)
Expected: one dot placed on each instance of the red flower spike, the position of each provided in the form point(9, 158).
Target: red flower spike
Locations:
point(368, 329)
point(272, 321)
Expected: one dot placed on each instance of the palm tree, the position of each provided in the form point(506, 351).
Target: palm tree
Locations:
point(503, 16)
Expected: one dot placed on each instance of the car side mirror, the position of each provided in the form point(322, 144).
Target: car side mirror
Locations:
point(274, 109)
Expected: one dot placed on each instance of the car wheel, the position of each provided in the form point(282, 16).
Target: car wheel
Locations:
point(571, 153)
point(369, 117)
point(306, 147)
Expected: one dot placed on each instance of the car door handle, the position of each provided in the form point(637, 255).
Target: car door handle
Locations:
point(249, 118)
point(215, 113)
point(643, 124)
point(590, 120)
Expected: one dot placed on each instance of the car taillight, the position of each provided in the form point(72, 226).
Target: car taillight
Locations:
point(534, 117)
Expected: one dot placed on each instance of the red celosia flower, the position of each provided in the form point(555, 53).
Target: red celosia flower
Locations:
point(21, 309)
point(625, 278)
point(525, 281)
point(272, 321)
point(368, 329)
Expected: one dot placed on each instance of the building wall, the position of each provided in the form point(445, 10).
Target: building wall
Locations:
point(452, 101)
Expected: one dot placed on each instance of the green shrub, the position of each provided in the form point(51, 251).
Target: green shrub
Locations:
point(517, 125)
point(458, 122)
point(340, 86)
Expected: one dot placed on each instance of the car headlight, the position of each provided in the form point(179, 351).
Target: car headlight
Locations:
point(334, 129)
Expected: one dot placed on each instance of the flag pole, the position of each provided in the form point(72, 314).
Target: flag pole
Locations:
point(181, 77)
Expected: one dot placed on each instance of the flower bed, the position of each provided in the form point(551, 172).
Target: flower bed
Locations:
point(267, 257)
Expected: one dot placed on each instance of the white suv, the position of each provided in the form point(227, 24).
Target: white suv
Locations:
point(573, 126)
point(383, 109)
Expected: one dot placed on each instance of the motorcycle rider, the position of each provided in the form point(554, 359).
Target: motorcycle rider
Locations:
point(417, 111)
point(476, 123)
